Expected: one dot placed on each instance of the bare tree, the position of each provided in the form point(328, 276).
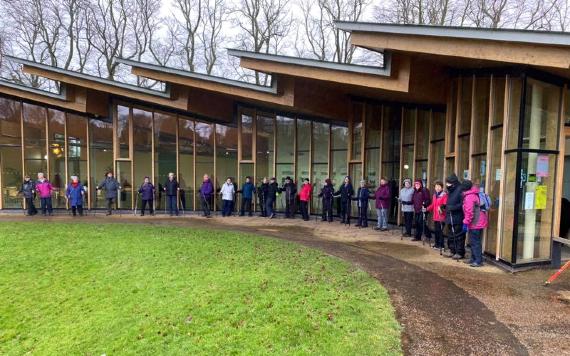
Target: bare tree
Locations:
point(215, 14)
point(263, 25)
point(186, 26)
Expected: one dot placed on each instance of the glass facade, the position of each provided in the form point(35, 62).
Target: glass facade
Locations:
point(500, 131)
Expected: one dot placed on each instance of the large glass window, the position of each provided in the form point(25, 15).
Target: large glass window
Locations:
point(246, 137)
point(541, 116)
point(391, 136)
point(77, 147)
point(226, 155)
point(10, 152)
point(466, 103)
point(101, 152)
point(124, 176)
point(35, 154)
point(58, 178)
point(339, 148)
point(123, 131)
point(422, 145)
point(372, 144)
point(204, 151)
point(481, 114)
point(452, 116)
point(438, 134)
point(358, 110)
point(515, 97)
point(164, 146)
point(320, 168)
point(265, 146)
point(285, 146)
point(494, 189)
point(303, 151)
point(186, 163)
point(142, 146)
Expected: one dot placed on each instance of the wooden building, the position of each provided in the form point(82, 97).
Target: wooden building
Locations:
point(489, 105)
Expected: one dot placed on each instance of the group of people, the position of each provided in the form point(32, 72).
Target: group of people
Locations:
point(458, 209)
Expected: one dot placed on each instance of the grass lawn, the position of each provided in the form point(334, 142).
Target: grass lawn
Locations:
point(140, 289)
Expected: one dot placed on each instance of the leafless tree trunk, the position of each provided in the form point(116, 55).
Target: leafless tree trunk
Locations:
point(215, 14)
point(186, 28)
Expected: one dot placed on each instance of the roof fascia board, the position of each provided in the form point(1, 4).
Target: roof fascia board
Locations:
point(496, 35)
point(385, 70)
point(90, 78)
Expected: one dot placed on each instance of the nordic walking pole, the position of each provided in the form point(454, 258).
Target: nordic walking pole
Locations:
point(557, 273)
point(136, 203)
point(453, 232)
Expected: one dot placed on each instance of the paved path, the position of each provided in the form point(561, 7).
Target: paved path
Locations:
point(445, 307)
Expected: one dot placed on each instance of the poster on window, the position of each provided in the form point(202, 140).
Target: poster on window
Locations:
point(542, 166)
point(529, 201)
point(540, 197)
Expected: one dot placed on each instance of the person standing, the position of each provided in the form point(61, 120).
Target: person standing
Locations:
point(74, 194)
point(420, 199)
point(290, 190)
point(361, 198)
point(28, 190)
point(437, 208)
point(305, 198)
point(111, 187)
point(227, 192)
point(383, 198)
point(206, 191)
point(407, 206)
point(345, 192)
point(454, 218)
point(272, 190)
point(327, 195)
point(474, 221)
point(44, 187)
point(246, 191)
point(262, 192)
point(171, 189)
point(147, 191)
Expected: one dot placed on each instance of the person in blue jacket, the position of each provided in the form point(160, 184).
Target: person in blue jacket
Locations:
point(362, 197)
point(147, 196)
point(246, 191)
point(74, 194)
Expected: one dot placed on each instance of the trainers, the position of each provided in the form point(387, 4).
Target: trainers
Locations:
point(448, 254)
point(457, 257)
point(475, 265)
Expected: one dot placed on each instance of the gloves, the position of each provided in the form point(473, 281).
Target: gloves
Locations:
point(465, 227)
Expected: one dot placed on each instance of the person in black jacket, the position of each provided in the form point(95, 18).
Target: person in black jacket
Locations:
point(345, 192)
point(454, 218)
point(362, 197)
point(171, 189)
point(272, 190)
point(290, 190)
point(327, 193)
point(28, 190)
point(262, 196)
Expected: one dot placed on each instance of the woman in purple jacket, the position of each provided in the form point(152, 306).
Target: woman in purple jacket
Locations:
point(421, 199)
point(383, 197)
point(206, 191)
point(147, 195)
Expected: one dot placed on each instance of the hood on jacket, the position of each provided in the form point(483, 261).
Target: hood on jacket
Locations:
point(409, 181)
point(467, 185)
point(452, 179)
point(328, 181)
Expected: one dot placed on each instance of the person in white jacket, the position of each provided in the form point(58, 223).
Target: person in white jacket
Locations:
point(227, 192)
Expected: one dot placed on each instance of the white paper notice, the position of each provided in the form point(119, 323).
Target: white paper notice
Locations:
point(529, 201)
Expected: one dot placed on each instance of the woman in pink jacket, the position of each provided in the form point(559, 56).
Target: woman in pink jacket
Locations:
point(437, 207)
point(474, 221)
point(44, 188)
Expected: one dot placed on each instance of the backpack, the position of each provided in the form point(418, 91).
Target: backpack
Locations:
point(484, 201)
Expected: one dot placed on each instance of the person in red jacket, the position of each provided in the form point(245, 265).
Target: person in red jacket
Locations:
point(475, 221)
point(437, 207)
point(383, 197)
point(305, 197)
point(420, 200)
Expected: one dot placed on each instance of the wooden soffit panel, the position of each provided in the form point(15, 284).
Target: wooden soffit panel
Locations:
point(509, 52)
point(283, 96)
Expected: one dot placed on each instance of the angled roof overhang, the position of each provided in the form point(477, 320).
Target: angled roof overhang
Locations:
point(545, 49)
point(393, 75)
point(271, 94)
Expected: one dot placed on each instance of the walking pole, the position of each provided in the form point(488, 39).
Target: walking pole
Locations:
point(164, 204)
point(317, 212)
point(423, 228)
point(557, 273)
point(453, 232)
point(136, 203)
point(95, 202)
point(180, 202)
